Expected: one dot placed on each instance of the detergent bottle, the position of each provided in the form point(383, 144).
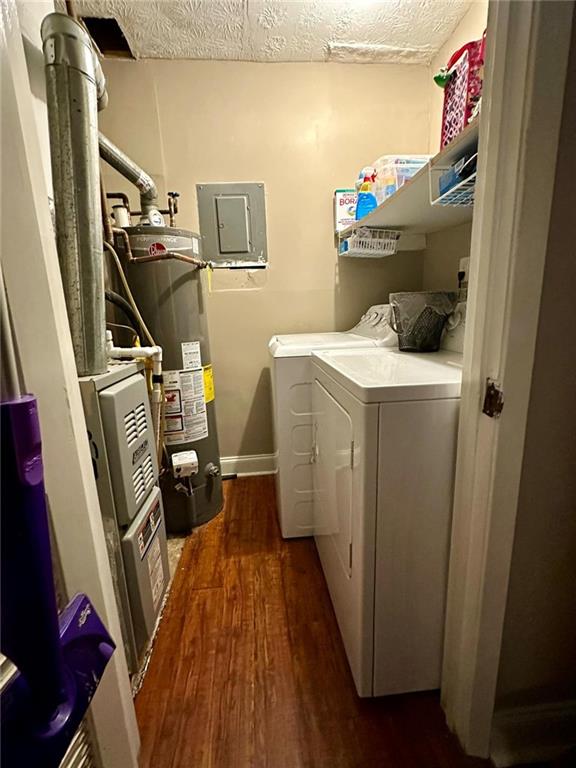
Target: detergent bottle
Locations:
point(366, 198)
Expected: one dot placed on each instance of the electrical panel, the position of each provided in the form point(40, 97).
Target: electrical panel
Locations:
point(233, 224)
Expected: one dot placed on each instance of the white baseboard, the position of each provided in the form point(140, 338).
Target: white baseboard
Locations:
point(243, 466)
point(533, 734)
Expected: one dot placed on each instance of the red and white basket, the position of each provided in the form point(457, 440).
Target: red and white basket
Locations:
point(463, 89)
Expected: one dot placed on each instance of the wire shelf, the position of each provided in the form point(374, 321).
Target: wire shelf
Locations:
point(372, 243)
point(461, 195)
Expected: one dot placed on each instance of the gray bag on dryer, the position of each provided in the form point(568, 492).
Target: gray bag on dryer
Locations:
point(419, 318)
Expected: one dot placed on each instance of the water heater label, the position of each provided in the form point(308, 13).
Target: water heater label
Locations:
point(191, 359)
point(185, 417)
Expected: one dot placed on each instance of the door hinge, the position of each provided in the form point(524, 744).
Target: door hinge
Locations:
point(352, 455)
point(493, 399)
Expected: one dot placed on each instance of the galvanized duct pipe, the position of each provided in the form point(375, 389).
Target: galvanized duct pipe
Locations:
point(128, 168)
point(75, 87)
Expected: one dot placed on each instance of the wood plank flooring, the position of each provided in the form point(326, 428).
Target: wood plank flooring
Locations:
point(248, 669)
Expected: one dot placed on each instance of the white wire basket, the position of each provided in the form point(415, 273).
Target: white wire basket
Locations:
point(372, 243)
point(462, 194)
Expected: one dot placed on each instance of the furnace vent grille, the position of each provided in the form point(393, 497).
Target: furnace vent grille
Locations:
point(135, 423)
point(143, 479)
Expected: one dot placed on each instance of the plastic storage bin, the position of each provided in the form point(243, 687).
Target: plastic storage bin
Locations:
point(393, 171)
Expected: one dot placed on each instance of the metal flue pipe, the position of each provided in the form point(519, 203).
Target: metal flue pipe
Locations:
point(128, 168)
point(75, 89)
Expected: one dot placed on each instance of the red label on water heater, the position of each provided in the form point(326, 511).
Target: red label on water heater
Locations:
point(157, 249)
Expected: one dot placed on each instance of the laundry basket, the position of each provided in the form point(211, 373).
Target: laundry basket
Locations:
point(419, 318)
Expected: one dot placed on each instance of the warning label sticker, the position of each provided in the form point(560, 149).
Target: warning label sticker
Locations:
point(208, 384)
point(155, 571)
point(172, 425)
point(173, 401)
point(185, 417)
point(191, 359)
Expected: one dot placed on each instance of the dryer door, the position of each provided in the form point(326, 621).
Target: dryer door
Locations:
point(334, 455)
point(344, 475)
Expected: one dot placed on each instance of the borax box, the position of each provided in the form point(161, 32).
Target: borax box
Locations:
point(344, 208)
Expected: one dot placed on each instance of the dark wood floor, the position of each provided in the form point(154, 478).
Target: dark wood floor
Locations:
point(249, 671)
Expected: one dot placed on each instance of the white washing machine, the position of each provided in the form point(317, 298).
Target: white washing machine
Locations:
point(385, 429)
point(292, 407)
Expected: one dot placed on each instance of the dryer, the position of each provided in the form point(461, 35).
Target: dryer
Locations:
point(292, 410)
point(384, 449)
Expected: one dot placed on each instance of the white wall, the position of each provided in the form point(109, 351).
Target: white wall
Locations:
point(298, 128)
point(442, 256)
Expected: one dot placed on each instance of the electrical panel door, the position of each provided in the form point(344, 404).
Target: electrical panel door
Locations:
point(233, 224)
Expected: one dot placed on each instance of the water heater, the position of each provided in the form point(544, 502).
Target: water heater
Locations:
point(170, 298)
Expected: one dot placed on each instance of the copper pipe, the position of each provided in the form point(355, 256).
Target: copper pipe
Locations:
point(173, 206)
point(106, 220)
point(124, 235)
point(198, 263)
point(123, 197)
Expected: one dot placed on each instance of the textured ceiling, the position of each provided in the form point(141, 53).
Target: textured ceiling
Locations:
point(407, 31)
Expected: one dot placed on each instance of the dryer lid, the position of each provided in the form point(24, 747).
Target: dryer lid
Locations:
point(386, 375)
point(372, 330)
point(302, 344)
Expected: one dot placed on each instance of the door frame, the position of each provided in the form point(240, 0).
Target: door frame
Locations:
point(527, 56)
point(46, 358)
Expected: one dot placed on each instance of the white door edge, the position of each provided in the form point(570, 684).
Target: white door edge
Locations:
point(522, 106)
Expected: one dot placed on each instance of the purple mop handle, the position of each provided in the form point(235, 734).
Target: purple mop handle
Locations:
point(30, 635)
